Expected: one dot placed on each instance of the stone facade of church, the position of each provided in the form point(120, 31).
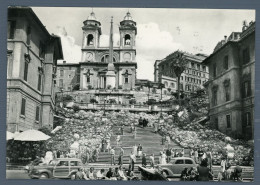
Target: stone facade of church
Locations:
point(91, 71)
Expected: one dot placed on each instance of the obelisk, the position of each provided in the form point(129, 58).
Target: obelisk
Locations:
point(110, 75)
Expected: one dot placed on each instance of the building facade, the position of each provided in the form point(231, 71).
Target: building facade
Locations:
point(231, 84)
point(193, 78)
point(32, 55)
point(92, 70)
point(169, 82)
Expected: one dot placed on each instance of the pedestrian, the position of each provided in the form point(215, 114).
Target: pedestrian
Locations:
point(155, 127)
point(140, 122)
point(203, 171)
point(223, 165)
point(139, 150)
point(168, 154)
point(132, 160)
point(91, 174)
point(121, 174)
point(184, 174)
point(163, 160)
point(135, 150)
point(117, 140)
point(101, 174)
point(58, 153)
point(200, 154)
point(209, 157)
point(196, 155)
point(152, 161)
point(109, 173)
point(144, 160)
point(79, 175)
point(135, 132)
point(120, 158)
point(237, 172)
point(112, 152)
point(122, 130)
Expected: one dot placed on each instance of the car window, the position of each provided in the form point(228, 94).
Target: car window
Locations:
point(179, 162)
point(63, 163)
point(53, 162)
point(73, 163)
point(187, 161)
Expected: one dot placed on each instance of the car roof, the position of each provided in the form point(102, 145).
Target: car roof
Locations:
point(176, 158)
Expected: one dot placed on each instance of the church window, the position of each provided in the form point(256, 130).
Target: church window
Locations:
point(90, 40)
point(127, 39)
point(105, 59)
point(88, 79)
point(126, 79)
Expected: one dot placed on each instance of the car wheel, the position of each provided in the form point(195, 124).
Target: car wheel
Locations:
point(73, 176)
point(44, 176)
point(166, 172)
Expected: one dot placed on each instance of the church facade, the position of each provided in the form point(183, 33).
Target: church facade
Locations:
point(102, 67)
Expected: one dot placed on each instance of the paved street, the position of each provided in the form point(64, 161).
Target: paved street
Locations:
point(16, 174)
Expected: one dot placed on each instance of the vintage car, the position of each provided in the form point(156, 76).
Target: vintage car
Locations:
point(62, 168)
point(176, 166)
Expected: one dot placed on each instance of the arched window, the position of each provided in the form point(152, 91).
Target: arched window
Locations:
point(166, 84)
point(90, 40)
point(105, 59)
point(127, 39)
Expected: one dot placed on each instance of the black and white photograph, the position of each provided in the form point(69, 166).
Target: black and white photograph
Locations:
point(130, 94)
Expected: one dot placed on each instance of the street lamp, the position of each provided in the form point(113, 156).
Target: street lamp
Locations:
point(104, 114)
point(161, 109)
point(61, 90)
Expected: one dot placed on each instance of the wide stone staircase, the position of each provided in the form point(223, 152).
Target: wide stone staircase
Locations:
point(150, 141)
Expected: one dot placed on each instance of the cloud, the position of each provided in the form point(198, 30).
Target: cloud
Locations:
point(71, 51)
point(152, 44)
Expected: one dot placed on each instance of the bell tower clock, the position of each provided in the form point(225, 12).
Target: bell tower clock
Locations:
point(91, 37)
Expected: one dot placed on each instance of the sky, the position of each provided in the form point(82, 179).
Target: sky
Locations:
point(159, 31)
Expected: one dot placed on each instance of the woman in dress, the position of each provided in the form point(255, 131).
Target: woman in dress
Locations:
point(163, 158)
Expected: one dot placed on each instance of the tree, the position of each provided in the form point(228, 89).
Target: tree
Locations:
point(178, 63)
point(93, 100)
point(132, 101)
point(45, 130)
point(76, 108)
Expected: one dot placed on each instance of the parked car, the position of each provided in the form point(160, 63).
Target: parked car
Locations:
point(62, 168)
point(151, 174)
point(176, 166)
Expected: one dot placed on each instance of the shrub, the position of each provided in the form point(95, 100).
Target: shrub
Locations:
point(90, 87)
point(76, 108)
point(120, 87)
point(109, 87)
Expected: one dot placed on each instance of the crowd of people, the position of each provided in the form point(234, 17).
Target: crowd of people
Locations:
point(118, 173)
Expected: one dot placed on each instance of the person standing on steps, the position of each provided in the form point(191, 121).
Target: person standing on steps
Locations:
point(120, 158)
point(168, 154)
point(144, 160)
point(112, 152)
point(152, 161)
point(139, 150)
point(132, 160)
point(135, 150)
point(140, 121)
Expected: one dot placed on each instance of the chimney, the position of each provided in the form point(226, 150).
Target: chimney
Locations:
point(64, 61)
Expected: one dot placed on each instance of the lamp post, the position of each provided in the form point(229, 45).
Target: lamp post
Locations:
point(104, 114)
point(61, 90)
point(161, 109)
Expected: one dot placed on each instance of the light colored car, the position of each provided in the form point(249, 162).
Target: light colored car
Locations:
point(62, 168)
point(176, 166)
